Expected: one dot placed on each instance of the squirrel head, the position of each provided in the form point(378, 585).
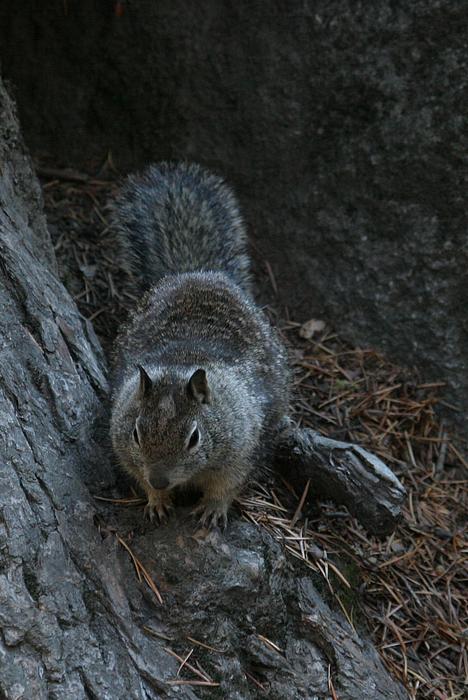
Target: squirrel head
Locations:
point(171, 438)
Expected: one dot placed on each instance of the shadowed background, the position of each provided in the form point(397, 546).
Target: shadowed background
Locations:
point(341, 124)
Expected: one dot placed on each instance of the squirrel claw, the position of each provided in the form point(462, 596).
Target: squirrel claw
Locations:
point(212, 514)
point(159, 502)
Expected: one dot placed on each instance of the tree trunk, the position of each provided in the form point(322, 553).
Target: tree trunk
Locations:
point(76, 621)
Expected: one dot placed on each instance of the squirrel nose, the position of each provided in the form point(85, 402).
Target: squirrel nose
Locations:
point(159, 482)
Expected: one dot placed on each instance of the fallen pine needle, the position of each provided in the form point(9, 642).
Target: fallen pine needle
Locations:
point(131, 501)
point(205, 646)
point(140, 570)
point(331, 687)
point(155, 633)
point(202, 675)
point(184, 661)
point(255, 681)
point(178, 681)
point(300, 505)
point(269, 643)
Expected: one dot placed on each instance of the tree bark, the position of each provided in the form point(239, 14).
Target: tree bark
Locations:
point(345, 473)
point(76, 621)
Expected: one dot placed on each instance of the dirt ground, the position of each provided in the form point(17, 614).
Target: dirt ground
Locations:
point(409, 590)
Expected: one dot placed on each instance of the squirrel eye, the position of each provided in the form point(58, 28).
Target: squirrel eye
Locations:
point(194, 439)
point(135, 435)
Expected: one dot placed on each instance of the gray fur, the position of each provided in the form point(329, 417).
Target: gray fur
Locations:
point(177, 218)
point(199, 373)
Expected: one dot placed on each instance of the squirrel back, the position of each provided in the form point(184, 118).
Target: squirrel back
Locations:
point(178, 217)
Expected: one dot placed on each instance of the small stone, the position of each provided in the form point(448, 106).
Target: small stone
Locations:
point(398, 547)
point(310, 328)
point(89, 271)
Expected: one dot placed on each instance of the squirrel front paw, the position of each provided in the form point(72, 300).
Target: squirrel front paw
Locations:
point(159, 502)
point(213, 512)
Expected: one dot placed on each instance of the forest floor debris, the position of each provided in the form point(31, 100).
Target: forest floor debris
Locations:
point(408, 590)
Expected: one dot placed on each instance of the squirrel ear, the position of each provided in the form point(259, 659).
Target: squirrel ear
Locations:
point(198, 387)
point(145, 383)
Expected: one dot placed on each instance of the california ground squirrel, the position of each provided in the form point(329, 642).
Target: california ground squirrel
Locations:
point(200, 377)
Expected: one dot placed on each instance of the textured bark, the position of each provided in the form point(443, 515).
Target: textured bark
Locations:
point(65, 622)
point(75, 622)
point(346, 474)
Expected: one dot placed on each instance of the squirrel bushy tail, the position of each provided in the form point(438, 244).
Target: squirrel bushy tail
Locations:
point(176, 218)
